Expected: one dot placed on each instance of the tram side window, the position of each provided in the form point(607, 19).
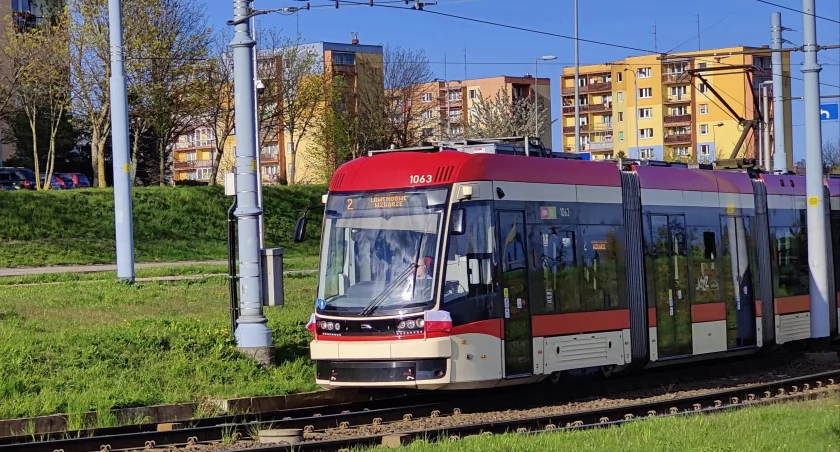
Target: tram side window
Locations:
point(599, 269)
point(469, 257)
point(789, 252)
point(560, 271)
point(705, 273)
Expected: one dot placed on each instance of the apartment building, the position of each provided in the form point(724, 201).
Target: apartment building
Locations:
point(357, 64)
point(647, 108)
point(447, 105)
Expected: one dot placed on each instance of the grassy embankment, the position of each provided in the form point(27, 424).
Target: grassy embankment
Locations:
point(70, 348)
point(806, 426)
point(170, 224)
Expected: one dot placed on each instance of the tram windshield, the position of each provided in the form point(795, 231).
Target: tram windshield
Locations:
point(380, 251)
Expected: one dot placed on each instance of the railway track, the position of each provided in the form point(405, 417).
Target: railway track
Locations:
point(334, 424)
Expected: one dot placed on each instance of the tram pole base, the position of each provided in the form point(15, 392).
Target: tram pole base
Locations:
point(262, 355)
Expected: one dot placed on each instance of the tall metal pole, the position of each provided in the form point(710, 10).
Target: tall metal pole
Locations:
point(766, 107)
point(252, 333)
point(536, 98)
point(817, 255)
point(780, 156)
point(257, 130)
point(577, 84)
point(123, 222)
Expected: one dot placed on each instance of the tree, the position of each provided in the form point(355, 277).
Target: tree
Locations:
point(831, 156)
point(170, 48)
point(390, 104)
point(302, 91)
point(215, 101)
point(39, 83)
point(503, 116)
point(334, 133)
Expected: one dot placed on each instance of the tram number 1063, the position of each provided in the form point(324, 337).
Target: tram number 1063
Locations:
point(420, 179)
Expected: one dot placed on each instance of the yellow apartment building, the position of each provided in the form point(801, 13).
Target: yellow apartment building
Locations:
point(448, 104)
point(643, 107)
point(359, 65)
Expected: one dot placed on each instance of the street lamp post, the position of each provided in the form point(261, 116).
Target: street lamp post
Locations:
point(536, 93)
point(714, 137)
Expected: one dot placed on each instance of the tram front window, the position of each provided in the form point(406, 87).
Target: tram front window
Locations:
point(380, 252)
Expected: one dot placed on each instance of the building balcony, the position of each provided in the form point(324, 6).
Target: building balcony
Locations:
point(570, 110)
point(571, 129)
point(265, 158)
point(678, 138)
point(681, 99)
point(344, 68)
point(600, 146)
point(195, 144)
point(589, 88)
point(452, 103)
point(193, 164)
point(676, 78)
point(677, 119)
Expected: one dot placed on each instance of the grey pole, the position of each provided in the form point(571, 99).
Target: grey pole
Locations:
point(577, 84)
point(123, 222)
point(766, 106)
point(817, 255)
point(780, 157)
point(257, 131)
point(252, 333)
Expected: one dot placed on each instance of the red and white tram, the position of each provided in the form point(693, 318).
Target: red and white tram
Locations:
point(459, 269)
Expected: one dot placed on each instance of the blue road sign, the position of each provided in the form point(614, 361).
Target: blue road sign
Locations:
point(829, 112)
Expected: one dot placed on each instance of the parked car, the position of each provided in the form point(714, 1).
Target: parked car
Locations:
point(67, 180)
point(17, 178)
point(55, 182)
point(79, 179)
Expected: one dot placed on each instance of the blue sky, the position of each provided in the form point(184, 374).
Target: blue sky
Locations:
point(493, 50)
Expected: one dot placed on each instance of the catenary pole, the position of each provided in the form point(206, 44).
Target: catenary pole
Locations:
point(252, 333)
point(577, 85)
point(780, 155)
point(817, 255)
point(123, 224)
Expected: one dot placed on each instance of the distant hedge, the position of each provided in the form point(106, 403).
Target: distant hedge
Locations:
point(174, 221)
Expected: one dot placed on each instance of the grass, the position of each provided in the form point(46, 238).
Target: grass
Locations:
point(170, 224)
point(66, 349)
point(803, 426)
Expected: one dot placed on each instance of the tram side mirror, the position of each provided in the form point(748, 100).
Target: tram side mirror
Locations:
point(459, 222)
point(300, 229)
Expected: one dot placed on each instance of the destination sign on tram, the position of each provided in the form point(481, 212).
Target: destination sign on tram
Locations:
point(383, 201)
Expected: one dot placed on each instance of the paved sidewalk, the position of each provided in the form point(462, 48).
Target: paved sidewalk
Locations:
point(22, 271)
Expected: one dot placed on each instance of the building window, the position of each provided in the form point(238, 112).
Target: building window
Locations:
point(645, 113)
point(681, 151)
point(619, 76)
point(620, 96)
point(270, 149)
point(678, 91)
point(704, 109)
point(643, 72)
point(646, 153)
point(704, 149)
point(473, 93)
point(645, 93)
point(702, 88)
point(645, 133)
point(704, 129)
point(427, 114)
point(620, 136)
point(621, 116)
point(289, 148)
point(701, 65)
point(426, 97)
point(344, 59)
point(427, 132)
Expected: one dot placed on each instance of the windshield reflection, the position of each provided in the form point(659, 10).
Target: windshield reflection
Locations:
point(380, 251)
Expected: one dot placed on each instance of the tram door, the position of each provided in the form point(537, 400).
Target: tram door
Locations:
point(670, 281)
point(514, 283)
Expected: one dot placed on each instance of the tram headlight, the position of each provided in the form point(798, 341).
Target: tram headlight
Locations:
point(323, 324)
point(401, 325)
point(329, 326)
point(410, 324)
point(420, 323)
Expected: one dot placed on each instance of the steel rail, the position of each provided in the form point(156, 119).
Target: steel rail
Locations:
point(799, 387)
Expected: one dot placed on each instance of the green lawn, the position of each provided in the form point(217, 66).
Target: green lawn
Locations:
point(76, 347)
point(805, 426)
point(61, 227)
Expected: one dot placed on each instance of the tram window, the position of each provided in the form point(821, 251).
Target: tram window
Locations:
point(599, 269)
point(789, 253)
point(469, 257)
point(560, 271)
point(705, 272)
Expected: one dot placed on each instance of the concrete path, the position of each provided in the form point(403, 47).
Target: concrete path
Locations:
point(21, 271)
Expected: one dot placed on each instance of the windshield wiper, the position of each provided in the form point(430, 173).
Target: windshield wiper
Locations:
point(384, 295)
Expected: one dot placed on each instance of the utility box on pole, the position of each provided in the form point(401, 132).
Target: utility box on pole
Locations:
point(272, 276)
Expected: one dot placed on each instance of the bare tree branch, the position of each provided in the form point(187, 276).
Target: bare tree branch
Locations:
point(501, 116)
